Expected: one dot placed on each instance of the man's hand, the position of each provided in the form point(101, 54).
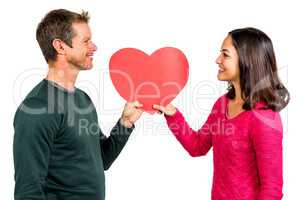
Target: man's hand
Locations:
point(131, 113)
point(169, 110)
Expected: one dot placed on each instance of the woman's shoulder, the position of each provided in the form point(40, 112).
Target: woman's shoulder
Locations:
point(221, 102)
point(261, 108)
point(265, 117)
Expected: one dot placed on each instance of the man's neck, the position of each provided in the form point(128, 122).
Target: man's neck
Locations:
point(63, 74)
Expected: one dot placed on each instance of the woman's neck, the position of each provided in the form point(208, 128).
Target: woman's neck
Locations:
point(238, 93)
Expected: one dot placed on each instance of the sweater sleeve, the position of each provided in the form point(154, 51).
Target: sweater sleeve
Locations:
point(112, 146)
point(33, 138)
point(267, 142)
point(196, 143)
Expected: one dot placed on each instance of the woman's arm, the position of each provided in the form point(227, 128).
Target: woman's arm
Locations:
point(267, 141)
point(196, 143)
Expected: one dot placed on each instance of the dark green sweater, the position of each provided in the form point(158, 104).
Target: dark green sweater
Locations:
point(60, 152)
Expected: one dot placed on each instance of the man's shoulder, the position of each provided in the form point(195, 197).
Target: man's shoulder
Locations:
point(37, 102)
point(39, 91)
point(83, 94)
point(35, 97)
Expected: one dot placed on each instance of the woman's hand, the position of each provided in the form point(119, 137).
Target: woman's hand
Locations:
point(169, 110)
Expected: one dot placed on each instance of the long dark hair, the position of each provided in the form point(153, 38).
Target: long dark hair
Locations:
point(258, 70)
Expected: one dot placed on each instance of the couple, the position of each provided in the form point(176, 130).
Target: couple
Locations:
point(60, 152)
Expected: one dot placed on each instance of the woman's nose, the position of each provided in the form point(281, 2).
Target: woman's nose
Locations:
point(218, 60)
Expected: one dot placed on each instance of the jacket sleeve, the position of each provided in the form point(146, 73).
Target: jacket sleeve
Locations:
point(33, 138)
point(112, 146)
point(267, 142)
point(196, 143)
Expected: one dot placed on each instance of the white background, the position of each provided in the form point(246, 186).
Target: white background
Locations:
point(153, 165)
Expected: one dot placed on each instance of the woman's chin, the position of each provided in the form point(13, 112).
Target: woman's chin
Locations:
point(221, 78)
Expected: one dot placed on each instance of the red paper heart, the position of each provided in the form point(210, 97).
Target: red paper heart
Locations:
point(154, 79)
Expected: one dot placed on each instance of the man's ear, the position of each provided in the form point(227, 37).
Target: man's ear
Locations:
point(59, 46)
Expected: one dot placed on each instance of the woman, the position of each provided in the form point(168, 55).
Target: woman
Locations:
point(247, 144)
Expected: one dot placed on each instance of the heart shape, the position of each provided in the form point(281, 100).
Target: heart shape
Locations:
point(154, 79)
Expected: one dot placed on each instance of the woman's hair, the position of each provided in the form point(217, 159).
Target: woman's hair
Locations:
point(258, 70)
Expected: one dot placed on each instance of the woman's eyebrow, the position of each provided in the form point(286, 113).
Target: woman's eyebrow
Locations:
point(224, 50)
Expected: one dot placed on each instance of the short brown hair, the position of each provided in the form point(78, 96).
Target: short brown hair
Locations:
point(57, 24)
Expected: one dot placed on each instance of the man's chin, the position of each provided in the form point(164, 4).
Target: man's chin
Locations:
point(86, 67)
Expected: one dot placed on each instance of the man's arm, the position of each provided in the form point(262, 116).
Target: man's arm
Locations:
point(33, 140)
point(113, 145)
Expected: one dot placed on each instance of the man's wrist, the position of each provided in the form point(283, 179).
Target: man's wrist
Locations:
point(126, 123)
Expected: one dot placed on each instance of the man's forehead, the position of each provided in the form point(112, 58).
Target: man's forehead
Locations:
point(81, 29)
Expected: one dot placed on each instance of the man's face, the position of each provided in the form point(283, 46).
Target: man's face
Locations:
point(81, 53)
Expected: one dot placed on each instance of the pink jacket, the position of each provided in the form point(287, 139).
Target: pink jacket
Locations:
point(247, 151)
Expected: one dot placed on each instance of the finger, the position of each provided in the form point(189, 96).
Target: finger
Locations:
point(160, 108)
point(137, 104)
point(140, 106)
point(157, 108)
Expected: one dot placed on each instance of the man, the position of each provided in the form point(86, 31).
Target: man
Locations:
point(60, 152)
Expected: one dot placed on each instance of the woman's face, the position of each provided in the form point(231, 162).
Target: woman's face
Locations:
point(228, 62)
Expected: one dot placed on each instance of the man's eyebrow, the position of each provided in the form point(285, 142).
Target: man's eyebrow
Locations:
point(86, 38)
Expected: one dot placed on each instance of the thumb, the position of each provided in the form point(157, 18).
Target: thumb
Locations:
point(160, 108)
point(137, 104)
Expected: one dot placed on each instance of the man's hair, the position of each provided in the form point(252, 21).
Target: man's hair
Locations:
point(57, 24)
